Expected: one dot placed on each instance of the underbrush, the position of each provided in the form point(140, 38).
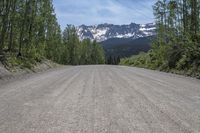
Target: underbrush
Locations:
point(12, 62)
point(179, 59)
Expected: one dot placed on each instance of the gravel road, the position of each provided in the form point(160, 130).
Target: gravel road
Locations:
point(100, 99)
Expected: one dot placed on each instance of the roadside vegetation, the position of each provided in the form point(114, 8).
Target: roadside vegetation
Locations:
point(177, 45)
point(30, 33)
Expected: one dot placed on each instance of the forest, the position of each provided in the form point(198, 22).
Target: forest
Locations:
point(29, 33)
point(177, 45)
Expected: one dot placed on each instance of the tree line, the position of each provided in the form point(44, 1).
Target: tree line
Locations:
point(177, 45)
point(29, 30)
point(81, 52)
point(113, 60)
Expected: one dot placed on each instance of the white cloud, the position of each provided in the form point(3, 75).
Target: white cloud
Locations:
point(91, 12)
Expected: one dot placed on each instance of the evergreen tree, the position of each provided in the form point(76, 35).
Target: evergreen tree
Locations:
point(30, 31)
point(176, 47)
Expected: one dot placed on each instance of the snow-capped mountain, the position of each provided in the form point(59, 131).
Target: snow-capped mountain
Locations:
point(103, 32)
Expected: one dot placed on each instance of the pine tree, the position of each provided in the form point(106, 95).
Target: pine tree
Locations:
point(30, 31)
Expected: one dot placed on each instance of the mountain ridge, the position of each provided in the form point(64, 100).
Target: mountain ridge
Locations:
point(103, 32)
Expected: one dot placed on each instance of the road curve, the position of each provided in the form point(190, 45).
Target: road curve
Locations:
point(100, 99)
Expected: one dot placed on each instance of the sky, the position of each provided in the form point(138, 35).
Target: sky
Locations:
point(93, 12)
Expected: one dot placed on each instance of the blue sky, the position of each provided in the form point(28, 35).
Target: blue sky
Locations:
point(90, 12)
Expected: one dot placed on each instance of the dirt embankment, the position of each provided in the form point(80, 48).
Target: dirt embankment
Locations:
point(7, 73)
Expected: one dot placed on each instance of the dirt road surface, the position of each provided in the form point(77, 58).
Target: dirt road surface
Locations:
point(100, 99)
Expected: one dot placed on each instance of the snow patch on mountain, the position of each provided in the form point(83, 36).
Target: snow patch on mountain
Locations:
point(103, 32)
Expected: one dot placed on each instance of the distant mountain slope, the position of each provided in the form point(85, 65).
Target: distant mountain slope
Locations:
point(125, 47)
point(120, 40)
point(103, 32)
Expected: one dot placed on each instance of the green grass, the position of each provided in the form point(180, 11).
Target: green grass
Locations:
point(13, 63)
